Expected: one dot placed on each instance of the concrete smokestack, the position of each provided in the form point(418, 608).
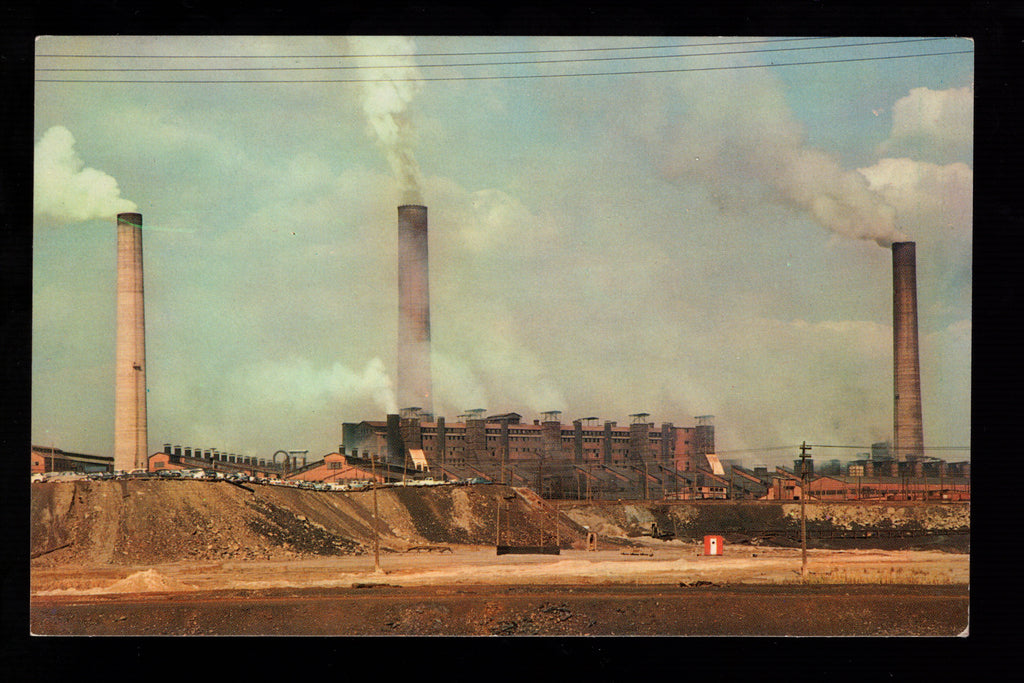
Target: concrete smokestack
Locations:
point(130, 435)
point(414, 380)
point(908, 426)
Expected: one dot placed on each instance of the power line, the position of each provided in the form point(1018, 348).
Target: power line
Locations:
point(445, 54)
point(491, 78)
point(759, 450)
point(473, 64)
point(927, 448)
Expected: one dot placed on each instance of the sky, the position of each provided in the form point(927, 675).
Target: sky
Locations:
point(677, 226)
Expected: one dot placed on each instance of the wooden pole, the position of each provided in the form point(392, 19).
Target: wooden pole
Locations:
point(376, 535)
point(497, 523)
point(803, 510)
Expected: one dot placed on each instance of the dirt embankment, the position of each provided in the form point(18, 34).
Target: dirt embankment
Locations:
point(835, 525)
point(141, 522)
point(145, 522)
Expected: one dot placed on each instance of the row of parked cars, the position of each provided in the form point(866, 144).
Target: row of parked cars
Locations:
point(239, 477)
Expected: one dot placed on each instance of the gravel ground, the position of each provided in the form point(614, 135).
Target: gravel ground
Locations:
point(551, 610)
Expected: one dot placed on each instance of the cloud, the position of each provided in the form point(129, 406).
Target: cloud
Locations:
point(491, 220)
point(934, 124)
point(67, 190)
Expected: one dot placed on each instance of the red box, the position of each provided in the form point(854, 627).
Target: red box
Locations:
point(713, 545)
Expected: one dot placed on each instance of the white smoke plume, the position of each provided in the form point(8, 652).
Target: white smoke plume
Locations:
point(841, 201)
point(65, 189)
point(743, 143)
point(386, 96)
point(299, 382)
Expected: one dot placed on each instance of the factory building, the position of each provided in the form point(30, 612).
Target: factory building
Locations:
point(178, 458)
point(952, 484)
point(545, 454)
point(49, 459)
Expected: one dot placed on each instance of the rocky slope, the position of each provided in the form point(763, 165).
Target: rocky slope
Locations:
point(144, 522)
point(139, 522)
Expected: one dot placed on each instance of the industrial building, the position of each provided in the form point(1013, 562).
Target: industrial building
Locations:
point(545, 454)
point(951, 482)
point(50, 459)
point(623, 478)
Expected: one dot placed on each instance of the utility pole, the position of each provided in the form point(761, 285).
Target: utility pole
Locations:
point(540, 475)
point(501, 495)
point(803, 510)
point(376, 535)
point(497, 523)
point(647, 491)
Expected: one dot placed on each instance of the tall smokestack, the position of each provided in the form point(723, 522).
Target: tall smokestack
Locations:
point(414, 383)
point(130, 435)
point(908, 426)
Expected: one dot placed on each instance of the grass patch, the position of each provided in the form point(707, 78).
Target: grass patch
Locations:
point(878, 576)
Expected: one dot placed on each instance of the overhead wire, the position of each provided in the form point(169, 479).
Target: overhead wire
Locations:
point(445, 54)
point(497, 77)
point(475, 64)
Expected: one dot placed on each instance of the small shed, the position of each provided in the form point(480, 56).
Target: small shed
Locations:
point(713, 545)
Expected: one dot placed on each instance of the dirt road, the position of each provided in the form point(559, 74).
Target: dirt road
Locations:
point(383, 609)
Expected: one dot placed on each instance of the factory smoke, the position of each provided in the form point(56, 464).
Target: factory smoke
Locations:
point(759, 154)
point(389, 72)
point(66, 189)
point(839, 200)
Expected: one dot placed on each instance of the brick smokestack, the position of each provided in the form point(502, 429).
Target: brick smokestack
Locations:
point(908, 426)
point(414, 380)
point(130, 431)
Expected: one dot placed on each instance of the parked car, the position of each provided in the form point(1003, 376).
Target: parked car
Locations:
point(138, 474)
point(169, 474)
point(38, 477)
point(68, 475)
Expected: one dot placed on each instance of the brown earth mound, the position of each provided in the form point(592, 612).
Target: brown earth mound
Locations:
point(143, 522)
point(888, 525)
point(152, 521)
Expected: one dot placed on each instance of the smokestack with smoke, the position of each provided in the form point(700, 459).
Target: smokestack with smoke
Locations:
point(908, 425)
point(130, 427)
point(414, 378)
point(65, 189)
point(386, 96)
